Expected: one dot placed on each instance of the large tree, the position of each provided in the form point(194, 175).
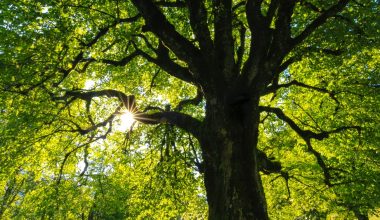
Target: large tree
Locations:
point(256, 91)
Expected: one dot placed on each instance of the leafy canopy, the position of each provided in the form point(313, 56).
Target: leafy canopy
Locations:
point(68, 67)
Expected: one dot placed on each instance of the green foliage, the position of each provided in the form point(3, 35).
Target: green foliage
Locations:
point(49, 170)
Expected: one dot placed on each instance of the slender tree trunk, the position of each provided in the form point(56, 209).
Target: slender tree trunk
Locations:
point(232, 180)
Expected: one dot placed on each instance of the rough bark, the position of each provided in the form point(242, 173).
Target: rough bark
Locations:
point(232, 179)
point(229, 133)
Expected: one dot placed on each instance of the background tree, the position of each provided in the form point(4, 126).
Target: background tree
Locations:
point(273, 103)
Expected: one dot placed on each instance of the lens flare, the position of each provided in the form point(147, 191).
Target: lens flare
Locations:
point(127, 119)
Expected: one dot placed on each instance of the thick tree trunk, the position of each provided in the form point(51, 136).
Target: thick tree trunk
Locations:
point(232, 180)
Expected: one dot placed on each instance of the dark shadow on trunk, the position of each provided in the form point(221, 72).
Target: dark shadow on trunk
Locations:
point(232, 179)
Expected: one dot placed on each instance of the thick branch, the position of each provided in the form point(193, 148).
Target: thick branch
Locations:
point(310, 6)
point(157, 23)
point(261, 40)
point(241, 48)
point(181, 120)
point(267, 165)
point(286, 64)
point(255, 18)
point(282, 31)
point(198, 22)
point(224, 45)
point(170, 67)
point(273, 6)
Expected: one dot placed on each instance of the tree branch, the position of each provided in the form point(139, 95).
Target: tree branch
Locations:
point(356, 27)
point(170, 67)
point(224, 44)
point(157, 23)
point(307, 135)
point(319, 21)
point(282, 30)
point(305, 51)
point(124, 61)
point(267, 165)
point(273, 6)
point(241, 48)
point(103, 31)
point(88, 95)
point(198, 22)
point(275, 87)
point(73, 65)
point(310, 6)
point(194, 101)
point(176, 4)
point(178, 119)
point(262, 36)
point(255, 18)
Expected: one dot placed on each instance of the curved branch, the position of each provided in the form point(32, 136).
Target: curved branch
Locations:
point(171, 67)
point(103, 31)
point(321, 163)
point(178, 119)
point(307, 135)
point(198, 22)
point(181, 120)
point(109, 120)
point(305, 51)
point(125, 100)
point(157, 23)
point(319, 21)
point(78, 58)
point(275, 87)
point(88, 95)
point(194, 101)
point(124, 61)
point(238, 5)
point(164, 61)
